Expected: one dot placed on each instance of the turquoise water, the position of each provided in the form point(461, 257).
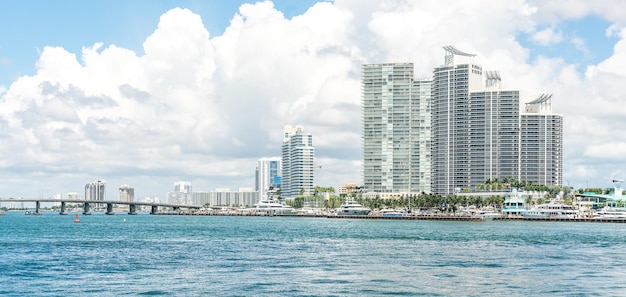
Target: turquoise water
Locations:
point(146, 255)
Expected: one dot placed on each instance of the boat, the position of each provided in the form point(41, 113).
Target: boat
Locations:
point(273, 207)
point(610, 213)
point(488, 214)
point(392, 213)
point(352, 209)
point(550, 211)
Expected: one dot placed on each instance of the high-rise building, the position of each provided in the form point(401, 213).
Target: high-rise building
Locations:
point(182, 187)
point(492, 133)
point(127, 193)
point(96, 190)
point(475, 125)
point(298, 159)
point(478, 132)
point(181, 194)
point(268, 175)
point(396, 129)
point(541, 143)
point(451, 120)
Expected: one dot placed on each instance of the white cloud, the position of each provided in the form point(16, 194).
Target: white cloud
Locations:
point(580, 44)
point(205, 108)
point(557, 10)
point(548, 36)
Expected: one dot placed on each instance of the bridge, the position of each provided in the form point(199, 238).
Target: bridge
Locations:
point(132, 206)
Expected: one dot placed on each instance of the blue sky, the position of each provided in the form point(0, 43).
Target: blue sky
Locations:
point(27, 26)
point(590, 29)
point(141, 93)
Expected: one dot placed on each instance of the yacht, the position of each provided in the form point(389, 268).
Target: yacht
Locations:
point(610, 213)
point(488, 214)
point(391, 212)
point(273, 207)
point(550, 211)
point(353, 209)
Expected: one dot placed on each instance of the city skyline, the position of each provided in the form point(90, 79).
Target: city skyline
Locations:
point(149, 93)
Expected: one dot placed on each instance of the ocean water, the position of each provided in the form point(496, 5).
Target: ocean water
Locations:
point(146, 255)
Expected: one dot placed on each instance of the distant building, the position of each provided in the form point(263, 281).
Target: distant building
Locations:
point(268, 175)
point(182, 187)
point(348, 189)
point(298, 159)
point(67, 196)
point(126, 193)
point(96, 190)
point(181, 194)
point(246, 197)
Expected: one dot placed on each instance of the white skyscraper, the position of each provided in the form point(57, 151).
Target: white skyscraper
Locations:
point(127, 193)
point(182, 186)
point(298, 159)
point(541, 143)
point(396, 129)
point(96, 190)
point(182, 193)
point(478, 133)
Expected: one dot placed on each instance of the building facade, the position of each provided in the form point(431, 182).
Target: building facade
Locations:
point(181, 194)
point(268, 175)
point(492, 135)
point(126, 193)
point(396, 129)
point(298, 163)
point(96, 190)
point(245, 197)
point(182, 187)
point(541, 143)
point(478, 132)
point(451, 146)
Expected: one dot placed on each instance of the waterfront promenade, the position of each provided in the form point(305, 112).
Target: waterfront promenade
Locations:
point(196, 210)
point(429, 217)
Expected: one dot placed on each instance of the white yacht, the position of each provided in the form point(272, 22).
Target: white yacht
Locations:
point(610, 213)
point(392, 212)
point(353, 209)
point(550, 211)
point(273, 207)
point(488, 214)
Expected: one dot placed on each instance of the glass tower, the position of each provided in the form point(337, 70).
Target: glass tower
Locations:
point(396, 129)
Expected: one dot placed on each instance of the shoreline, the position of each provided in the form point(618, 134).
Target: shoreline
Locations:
point(414, 218)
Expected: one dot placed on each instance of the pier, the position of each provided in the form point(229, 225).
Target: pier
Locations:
point(194, 210)
point(581, 219)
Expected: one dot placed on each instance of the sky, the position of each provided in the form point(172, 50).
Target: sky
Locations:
point(147, 93)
